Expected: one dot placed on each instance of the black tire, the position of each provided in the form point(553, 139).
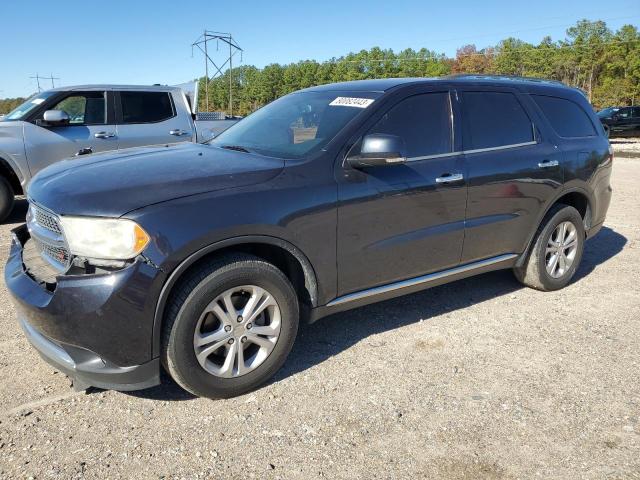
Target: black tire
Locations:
point(533, 273)
point(189, 299)
point(7, 199)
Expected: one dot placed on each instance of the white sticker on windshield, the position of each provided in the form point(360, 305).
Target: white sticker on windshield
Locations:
point(37, 101)
point(352, 102)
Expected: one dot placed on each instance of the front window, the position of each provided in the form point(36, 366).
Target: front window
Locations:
point(297, 124)
point(27, 107)
point(88, 108)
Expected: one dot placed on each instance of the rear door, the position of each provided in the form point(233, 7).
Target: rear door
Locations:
point(512, 171)
point(91, 129)
point(151, 118)
point(401, 221)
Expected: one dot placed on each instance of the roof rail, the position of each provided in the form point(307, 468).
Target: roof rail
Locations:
point(516, 78)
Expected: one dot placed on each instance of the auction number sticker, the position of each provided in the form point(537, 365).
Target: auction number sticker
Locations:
point(351, 102)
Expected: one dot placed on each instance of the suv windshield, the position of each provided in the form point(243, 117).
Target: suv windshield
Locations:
point(295, 125)
point(31, 103)
point(607, 112)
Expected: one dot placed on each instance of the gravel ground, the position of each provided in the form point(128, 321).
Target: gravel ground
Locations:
point(477, 379)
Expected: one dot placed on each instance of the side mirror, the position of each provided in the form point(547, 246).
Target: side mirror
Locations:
point(379, 149)
point(56, 118)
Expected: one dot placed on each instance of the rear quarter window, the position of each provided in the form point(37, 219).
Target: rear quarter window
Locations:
point(566, 117)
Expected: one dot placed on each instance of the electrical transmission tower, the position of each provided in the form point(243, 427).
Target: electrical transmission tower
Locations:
point(202, 43)
point(39, 77)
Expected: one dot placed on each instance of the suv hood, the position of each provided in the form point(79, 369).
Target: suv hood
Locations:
point(114, 183)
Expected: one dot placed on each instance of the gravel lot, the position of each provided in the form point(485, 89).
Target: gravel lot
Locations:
point(477, 379)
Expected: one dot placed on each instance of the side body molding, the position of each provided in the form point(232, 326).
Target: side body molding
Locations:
point(309, 274)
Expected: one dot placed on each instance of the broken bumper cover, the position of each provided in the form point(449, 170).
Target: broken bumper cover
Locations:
point(87, 369)
point(90, 327)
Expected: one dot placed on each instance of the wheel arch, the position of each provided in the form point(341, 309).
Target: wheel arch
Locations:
point(284, 255)
point(576, 197)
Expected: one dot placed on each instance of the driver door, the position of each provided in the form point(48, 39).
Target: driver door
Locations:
point(88, 130)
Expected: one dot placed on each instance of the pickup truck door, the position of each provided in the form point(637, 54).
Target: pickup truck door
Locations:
point(152, 118)
point(512, 171)
point(401, 221)
point(91, 129)
point(626, 122)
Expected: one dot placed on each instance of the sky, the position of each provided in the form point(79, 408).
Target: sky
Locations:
point(146, 42)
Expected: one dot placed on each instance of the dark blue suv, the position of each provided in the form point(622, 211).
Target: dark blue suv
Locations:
point(203, 259)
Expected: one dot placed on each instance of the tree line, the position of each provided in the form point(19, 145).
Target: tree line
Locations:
point(603, 63)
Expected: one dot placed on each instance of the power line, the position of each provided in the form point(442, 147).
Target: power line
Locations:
point(39, 77)
point(234, 48)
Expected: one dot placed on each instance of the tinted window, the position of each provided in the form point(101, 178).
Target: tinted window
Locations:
point(84, 108)
point(423, 121)
point(567, 118)
point(494, 119)
point(145, 107)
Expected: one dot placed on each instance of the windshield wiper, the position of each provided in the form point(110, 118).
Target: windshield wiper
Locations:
point(237, 148)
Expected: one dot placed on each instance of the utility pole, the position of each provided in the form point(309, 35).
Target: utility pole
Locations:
point(234, 49)
point(38, 77)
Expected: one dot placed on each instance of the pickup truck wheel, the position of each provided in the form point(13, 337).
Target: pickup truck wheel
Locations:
point(7, 198)
point(230, 326)
point(556, 252)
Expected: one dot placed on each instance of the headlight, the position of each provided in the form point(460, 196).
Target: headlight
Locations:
point(104, 238)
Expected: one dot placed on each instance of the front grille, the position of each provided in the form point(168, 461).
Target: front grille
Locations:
point(46, 220)
point(46, 232)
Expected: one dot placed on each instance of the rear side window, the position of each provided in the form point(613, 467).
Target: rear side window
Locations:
point(494, 119)
point(423, 121)
point(146, 107)
point(567, 118)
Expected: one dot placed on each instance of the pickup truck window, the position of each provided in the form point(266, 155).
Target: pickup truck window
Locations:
point(494, 119)
point(88, 108)
point(297, 124)
point(423, 121)
point(567, 118)
point(146, 107)
point(28, 106)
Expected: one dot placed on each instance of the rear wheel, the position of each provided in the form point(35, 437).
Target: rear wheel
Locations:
point(7, 198)
point(556, 252)
point(230, 326)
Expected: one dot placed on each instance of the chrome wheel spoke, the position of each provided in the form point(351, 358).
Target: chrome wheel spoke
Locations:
point(561, 249)
point(201, 340)
point(261, 341)
point(204, 353)
point(260, 299)
point(226, 370)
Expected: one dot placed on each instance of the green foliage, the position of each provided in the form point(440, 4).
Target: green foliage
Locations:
point(8, 104)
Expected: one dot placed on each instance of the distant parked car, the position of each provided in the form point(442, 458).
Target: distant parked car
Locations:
point(621, 121)
point(73, 121)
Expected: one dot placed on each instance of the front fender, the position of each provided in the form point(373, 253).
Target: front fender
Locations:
point(12, 150)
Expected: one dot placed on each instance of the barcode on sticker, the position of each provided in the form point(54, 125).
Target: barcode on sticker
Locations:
point(351, 102)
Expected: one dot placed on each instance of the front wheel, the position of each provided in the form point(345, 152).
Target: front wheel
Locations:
point(556, 252)
point(7, 198)
point(231, 324)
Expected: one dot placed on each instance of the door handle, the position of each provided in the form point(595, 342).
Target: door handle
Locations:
point(450, 177)
point(548, 163)
point(84, 151)
point(104, 135)
point(178, 132)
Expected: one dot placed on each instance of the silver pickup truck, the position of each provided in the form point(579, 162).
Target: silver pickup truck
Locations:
point(74, 121)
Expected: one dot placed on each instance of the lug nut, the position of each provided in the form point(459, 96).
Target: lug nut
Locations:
point(230, 342)
point(227, 328)
point(240, 319)
point(248, 327)
point(243, 339)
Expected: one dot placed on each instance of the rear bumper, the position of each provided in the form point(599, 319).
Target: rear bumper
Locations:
point(95, 328)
